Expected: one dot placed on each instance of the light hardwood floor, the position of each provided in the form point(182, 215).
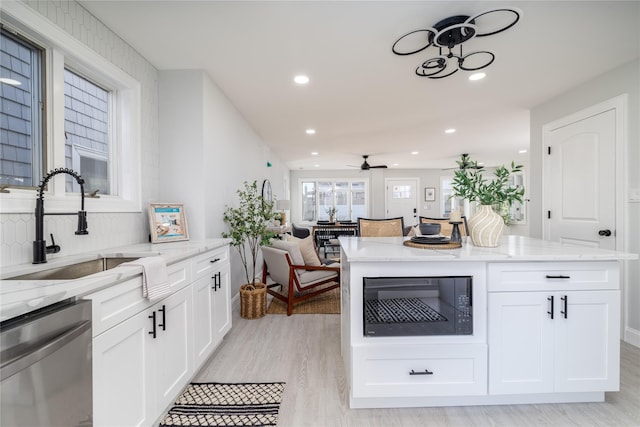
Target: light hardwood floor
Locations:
point(304, 352)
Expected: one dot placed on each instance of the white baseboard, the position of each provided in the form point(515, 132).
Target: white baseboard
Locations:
point(632, 336)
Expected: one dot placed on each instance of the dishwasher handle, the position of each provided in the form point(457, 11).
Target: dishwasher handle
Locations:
point(33, 355)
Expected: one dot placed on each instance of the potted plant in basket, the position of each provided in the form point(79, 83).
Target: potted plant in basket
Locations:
point(247, 231)
point(486, 225)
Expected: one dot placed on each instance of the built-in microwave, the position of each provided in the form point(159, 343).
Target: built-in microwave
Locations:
point(403, 306)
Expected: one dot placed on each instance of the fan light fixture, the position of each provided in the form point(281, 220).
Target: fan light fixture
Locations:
point(451, 33)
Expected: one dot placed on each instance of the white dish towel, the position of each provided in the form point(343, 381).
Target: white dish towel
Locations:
point(155, 279)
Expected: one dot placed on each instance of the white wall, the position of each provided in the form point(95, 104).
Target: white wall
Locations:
point(624, 79)
point(207, 151)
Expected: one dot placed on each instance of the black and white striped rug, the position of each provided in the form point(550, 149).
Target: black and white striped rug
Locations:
point(217, 404)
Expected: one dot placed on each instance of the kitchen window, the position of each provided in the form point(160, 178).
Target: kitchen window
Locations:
point(21, 116)
point(90, 123)
point(348, 197)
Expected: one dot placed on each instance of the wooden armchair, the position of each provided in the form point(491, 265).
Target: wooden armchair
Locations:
point(285, 267)
point(387, 227)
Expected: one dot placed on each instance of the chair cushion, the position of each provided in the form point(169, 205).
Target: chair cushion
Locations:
point(307, 249)
point(307, 278)
point(291, 247)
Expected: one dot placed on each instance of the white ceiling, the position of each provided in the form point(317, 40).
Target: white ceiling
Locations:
point(363, 99)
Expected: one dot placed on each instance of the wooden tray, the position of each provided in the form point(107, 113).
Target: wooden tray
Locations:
point(450, 245)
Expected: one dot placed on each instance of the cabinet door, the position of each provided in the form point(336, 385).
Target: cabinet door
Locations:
point(521, 343)
point(587, 341)
point(221, 296)
point(203, 339)
point(173, 355)
point(123, 366)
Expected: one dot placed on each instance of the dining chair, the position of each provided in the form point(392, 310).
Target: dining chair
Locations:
point(385, 227)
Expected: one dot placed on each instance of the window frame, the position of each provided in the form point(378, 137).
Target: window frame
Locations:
point(333, 181)
point(64, 51)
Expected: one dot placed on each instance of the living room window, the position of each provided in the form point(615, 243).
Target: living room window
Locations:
point(348, 197)
point(90, 121)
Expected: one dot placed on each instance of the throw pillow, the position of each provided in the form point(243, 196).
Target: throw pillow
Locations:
point(307, 248)
point(291, 247)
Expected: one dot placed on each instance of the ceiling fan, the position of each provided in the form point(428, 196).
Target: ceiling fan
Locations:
point(365, 166)
point(465, 162)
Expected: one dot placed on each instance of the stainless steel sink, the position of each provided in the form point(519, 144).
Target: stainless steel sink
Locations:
point(74, 271)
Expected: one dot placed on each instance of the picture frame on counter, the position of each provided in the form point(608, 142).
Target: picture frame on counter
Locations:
point(430, 194)
point(167, 222)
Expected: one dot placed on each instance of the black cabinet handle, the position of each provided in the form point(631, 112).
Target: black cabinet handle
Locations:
point(426, 372)
point(564, 311)
point(217, 281)
point(163, 310)
point(214, 260)
point(559, 276)
point(152, 332)
point(550, 313)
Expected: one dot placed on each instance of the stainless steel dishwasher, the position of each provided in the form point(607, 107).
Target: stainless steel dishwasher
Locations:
point(45, 367)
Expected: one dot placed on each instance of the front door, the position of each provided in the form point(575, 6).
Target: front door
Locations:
point(580, 178)
point(402, 199)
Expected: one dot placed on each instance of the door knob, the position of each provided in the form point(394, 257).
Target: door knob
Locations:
point(605, 233)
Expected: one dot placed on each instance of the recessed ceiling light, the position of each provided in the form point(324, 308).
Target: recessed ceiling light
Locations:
point(316, 166)
point(396, 164)
point(301, 79)
point(314, 153)
point(414, 152)
point(522, 151)
point(9, 81)
point(310, 131)
point(452, 130)
point(477, 76)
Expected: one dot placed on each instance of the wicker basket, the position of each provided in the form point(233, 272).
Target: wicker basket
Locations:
point(253, 300)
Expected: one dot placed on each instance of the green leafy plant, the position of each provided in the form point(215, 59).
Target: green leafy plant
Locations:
point(331, 212)
point(248, 227)
point(469, 183)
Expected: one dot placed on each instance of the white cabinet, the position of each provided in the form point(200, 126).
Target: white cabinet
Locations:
point(145, 353)
point(552, 340)
point(212, 302)
point(141, 364)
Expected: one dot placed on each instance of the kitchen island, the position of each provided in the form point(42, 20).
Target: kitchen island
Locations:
point(546, 325)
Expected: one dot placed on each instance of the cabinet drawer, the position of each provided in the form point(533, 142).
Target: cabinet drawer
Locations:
point(119, 302)
point(209, 262)
point(454, 370)
point(553, 276)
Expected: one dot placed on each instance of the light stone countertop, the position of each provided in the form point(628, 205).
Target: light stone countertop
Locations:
point(18, 297)
point(511, 249)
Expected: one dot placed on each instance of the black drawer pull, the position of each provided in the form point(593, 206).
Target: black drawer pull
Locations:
point(426, 372)
point(550, 312)
point(559, 276)
point(214, 260)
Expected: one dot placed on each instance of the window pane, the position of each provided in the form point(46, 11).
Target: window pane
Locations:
point(86, 127)
point(308, 201)
point(325, 199)
point(358, 208)
point(20, 116)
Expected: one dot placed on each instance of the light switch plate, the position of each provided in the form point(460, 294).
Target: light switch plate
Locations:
point(634, 195)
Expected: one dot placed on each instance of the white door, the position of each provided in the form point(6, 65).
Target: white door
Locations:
point(580, 174)
point(402, 199)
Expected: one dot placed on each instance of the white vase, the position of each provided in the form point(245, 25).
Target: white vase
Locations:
point(486, 227)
